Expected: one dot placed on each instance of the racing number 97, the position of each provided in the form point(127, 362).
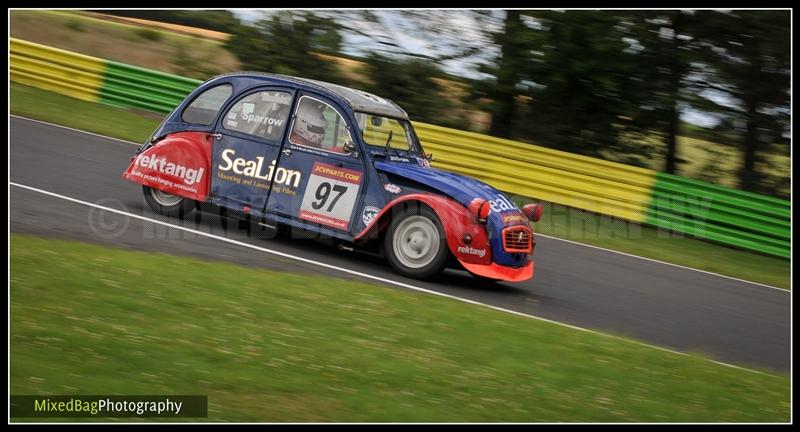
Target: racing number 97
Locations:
point(323, 192)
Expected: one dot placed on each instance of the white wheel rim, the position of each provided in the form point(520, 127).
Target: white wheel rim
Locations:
point(165, 199)
point(416, 242)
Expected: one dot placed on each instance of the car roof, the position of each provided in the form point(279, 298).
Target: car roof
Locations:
point(357, 99)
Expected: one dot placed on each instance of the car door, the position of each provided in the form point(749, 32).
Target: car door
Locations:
point(248, 137)
point(320, 174)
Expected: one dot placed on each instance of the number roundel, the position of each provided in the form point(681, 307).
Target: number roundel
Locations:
point(330, 195)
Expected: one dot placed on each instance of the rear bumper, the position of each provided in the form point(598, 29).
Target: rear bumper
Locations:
point(495, 271)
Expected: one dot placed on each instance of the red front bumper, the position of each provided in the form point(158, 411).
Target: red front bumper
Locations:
point(495, 271)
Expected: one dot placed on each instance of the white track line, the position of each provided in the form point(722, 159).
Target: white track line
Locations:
point(537, 234)
point(664, 262)
point(363, 275)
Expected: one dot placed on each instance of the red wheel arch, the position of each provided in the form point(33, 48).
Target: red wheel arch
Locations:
point(179, 164)
point(456, 221)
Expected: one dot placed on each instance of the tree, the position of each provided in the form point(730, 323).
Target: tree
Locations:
point(747, 79)
point(289, 43)
point(437, 37)
point(588, 87)
point(508, 69)
point(667, 50)
point(407, 52)
point(411, 84)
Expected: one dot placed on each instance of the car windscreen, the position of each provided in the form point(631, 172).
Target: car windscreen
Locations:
point(377, 130)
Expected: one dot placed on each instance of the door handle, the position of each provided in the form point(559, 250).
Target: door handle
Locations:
point(217, 136)
point(287, 152)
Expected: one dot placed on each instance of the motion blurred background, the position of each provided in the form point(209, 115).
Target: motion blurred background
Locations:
point(703, 94)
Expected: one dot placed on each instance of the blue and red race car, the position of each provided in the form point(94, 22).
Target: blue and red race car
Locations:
point(341, 162)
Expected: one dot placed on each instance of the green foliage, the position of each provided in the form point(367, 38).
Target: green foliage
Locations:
point(605, 83)
point(747, 54)
point(287, 43)
point(410, 83)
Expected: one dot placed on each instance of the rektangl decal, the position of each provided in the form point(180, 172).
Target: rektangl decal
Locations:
point(161, 164)
point(469, 250)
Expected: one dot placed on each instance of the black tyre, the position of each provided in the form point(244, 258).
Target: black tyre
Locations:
point(167, 204)
point(415, 244)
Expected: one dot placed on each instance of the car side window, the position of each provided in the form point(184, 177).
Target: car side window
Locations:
point(319, 125)
point(263, 114)
point(204, 108)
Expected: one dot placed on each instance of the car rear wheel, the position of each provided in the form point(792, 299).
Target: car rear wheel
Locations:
point(415, 244)
point(168, 204)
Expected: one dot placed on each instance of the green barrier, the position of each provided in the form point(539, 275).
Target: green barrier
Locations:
point(134, 87)
point(729, 216)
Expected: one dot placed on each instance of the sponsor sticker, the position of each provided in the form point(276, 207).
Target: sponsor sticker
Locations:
point(514, 217)
point(246, 171)
point(330, 195)
point(369, 214)
point(469, 250)
point(502, 204)
point(392, 188)
point(189, 176)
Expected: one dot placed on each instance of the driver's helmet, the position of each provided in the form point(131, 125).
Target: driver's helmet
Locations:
point(310, 124)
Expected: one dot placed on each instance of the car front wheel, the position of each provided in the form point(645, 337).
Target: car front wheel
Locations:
point(168, 204)
point(415, 244)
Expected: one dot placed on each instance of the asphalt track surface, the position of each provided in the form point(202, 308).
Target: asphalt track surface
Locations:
point(727, 320)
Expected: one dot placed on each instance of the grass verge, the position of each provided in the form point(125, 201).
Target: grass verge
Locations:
point(147, 47)
point(266, 346)
point(557, 221)
point(93, 117)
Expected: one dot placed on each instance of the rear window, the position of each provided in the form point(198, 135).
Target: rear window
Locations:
point(262, 114)
point(204, 108)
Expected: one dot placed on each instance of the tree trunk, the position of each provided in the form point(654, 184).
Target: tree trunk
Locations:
point(672, 139)
point(748, 177)
point(676, 74)
point(504, 97)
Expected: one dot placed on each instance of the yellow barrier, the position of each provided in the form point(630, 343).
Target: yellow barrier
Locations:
point(565, 178)
point(56, 70)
